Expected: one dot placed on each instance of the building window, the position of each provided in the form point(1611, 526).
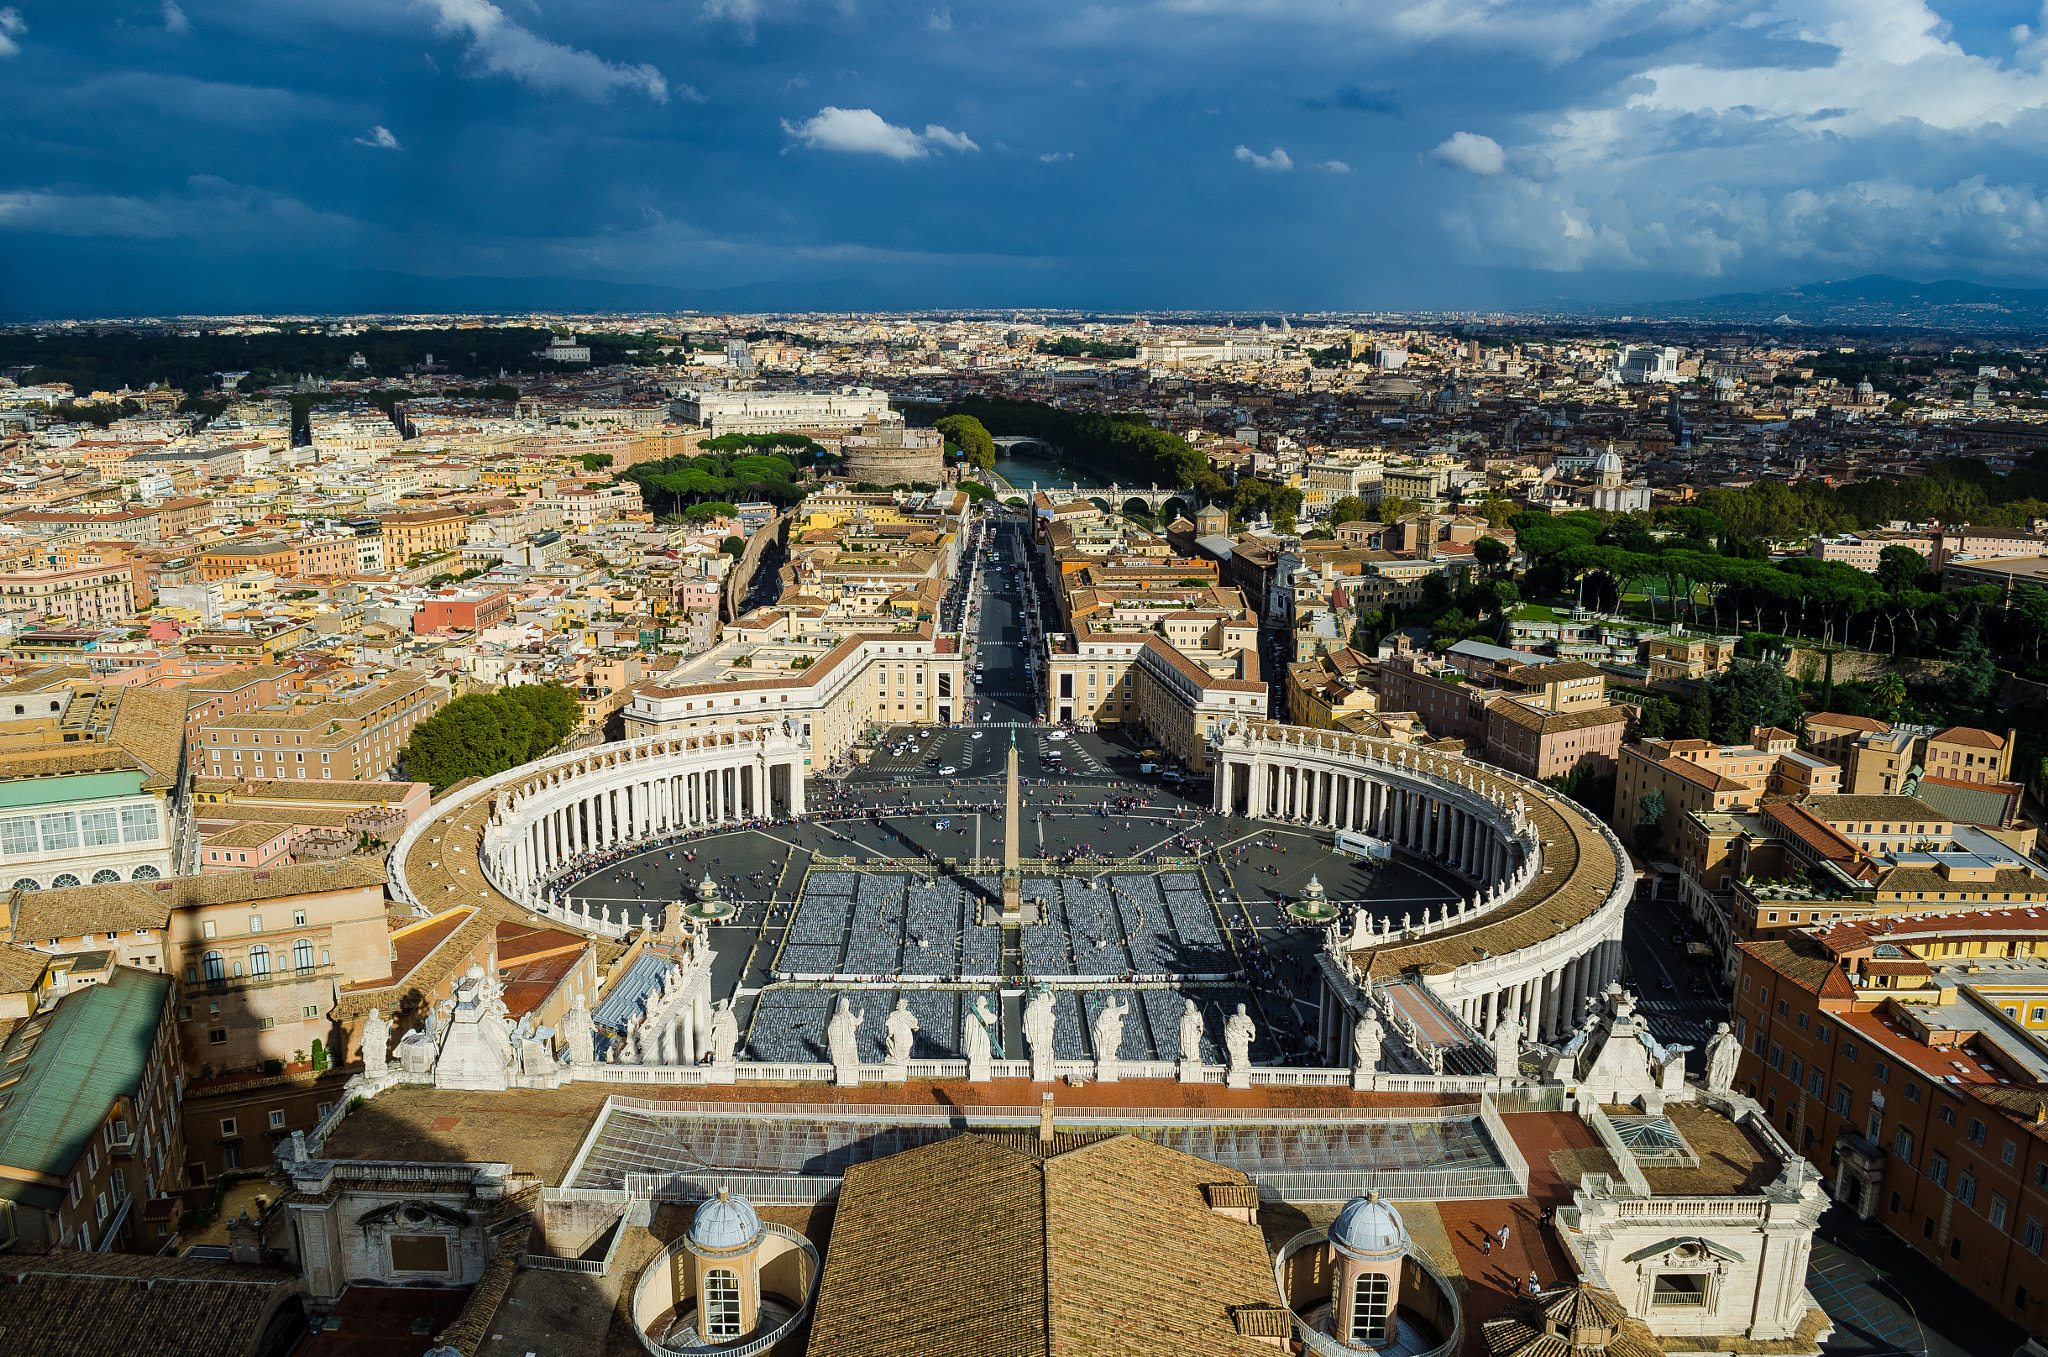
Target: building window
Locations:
point(1947, 1114)
point(1369, 1309)
point(2030, 1236)
point(302, 955)
point(214, 966)
point(1976, 1131)
point(721, 1305)
point(259, 961)
point(1680, 1289)
point(1937, 1169)
point(1998, 1210)
point(1902, 1144)
point(1966, 1188)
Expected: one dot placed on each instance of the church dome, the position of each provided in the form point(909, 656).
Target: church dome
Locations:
point(725, 1223)
point(1609, 460)
point(1368, 1228)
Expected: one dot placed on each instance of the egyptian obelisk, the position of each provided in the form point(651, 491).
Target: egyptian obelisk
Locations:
point(1013, 876)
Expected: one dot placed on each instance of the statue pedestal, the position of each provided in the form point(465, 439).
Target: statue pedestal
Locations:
point(1238, 1076)
point(1362, 1080)
point(1105, 1070)
point(722, 1074)
point(846, 1076)
point(1013, 896)
point(1041, 1070)
point(895, 1074)
point(979, 1071)
point(1193, 1072)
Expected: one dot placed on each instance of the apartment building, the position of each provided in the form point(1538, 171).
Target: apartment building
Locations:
point(1904, 1059)
point(866, 678)
point(355, 734)
point(462, 610)
point(1700, 776)
point(1877, 758)
point(89, 1118)
point(84, 595)
point(96, 782)
point(430, 530)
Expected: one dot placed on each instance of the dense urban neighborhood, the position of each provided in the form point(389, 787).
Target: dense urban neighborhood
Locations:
point(1033, 832)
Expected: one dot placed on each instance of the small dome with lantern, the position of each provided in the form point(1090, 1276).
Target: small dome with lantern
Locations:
point(725, 1224)
point(1368, 1228)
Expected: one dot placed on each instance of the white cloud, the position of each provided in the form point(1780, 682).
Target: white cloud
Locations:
point(1279, 160)
point(501, 47)
point(744, 14)
point(862, 131)
point(1473, 152)
point(939, 20)
point(381, 138)
point(12, 26)
point(1055, 157)
point(1334, 167)
point(936, 135)
point(174, 18)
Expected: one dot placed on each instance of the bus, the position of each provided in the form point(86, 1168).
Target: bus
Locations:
point(1365, 846)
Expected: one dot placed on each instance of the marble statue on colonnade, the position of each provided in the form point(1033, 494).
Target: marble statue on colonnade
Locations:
point(578, 1034)
point(725, 1040)
point(1109, 1036)
point(376, 1045)
point(1039, 1021)
point(979, 1023)
point(1191, 1069)
point(1507, 1047)
point(1366, 1039)
point(1238, 1032)
point(901, 1026)
point(1723, 1052)
point(840, 1040)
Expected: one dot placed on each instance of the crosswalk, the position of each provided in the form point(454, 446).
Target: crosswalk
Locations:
point(1680, 1021)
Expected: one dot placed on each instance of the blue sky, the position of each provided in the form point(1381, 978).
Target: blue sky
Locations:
point(1226, 153)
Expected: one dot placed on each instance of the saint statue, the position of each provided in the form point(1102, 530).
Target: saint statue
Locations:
point(1190, 1032)
point(1109, 1035)
point(1507, 1047)
point(901, 1026)
point(1366, 1037)
point(1238, 1031)
point(376, 1044)
point(725, 1033)
point(1039, 1020)
point(840, 1041)
point(976, 1037)
point(577, 1042)
point(1723, 1050)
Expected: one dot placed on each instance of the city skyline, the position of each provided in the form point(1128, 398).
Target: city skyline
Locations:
point(186, 156)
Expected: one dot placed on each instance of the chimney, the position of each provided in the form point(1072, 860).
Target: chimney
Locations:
point(1045, 1118)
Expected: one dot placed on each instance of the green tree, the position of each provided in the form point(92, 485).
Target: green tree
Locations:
point(1971, 674)
point(733, 546)
point(554, 710)
point(1347, 509)
point(595, 461)
point(1492, 553)
point(1900, 568)
point(1496, 512)
point(1393, 508)
point(1696, 718)
point(972, 438)
point(1890, 692)
point(1650, 812)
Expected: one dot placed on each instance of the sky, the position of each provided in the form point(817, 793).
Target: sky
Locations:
point(168, 155)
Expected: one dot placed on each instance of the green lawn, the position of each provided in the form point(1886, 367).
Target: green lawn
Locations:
point(1536, 612)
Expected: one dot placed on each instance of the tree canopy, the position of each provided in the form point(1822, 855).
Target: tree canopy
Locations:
point(974, 441)
point(485, 733)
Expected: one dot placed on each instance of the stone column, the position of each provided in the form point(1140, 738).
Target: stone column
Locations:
point(796, 785)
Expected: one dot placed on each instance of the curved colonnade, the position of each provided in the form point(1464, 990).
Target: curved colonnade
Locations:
point(500, 840)
point(1541, 932)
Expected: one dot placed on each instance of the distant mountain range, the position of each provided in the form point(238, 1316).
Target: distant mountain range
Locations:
point(1874, 299)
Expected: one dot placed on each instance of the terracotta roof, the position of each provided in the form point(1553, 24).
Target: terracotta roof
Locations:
point(71, 1304)
point(995, 1248)
point(1968, 735)
point(1872, 808)
point(1802, 961)
point(1837, 721)
point(1551, 722)
point(41, 912)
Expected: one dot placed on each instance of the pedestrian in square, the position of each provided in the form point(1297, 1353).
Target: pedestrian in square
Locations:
point(1503, 1236)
